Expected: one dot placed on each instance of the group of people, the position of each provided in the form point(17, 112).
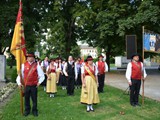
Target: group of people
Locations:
point(62, 73)
point(89, 76)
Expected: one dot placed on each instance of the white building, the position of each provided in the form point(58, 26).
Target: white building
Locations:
point(86, 50)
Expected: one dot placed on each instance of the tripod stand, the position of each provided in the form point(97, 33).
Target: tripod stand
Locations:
point(126, 91)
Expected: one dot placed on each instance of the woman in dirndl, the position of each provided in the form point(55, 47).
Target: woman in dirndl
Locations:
point(51, 79)
point(89, 92)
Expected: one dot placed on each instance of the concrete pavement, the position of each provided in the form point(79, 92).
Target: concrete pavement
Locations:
point(117, 79)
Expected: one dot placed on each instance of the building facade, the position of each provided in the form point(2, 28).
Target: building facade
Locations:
point(86, 50)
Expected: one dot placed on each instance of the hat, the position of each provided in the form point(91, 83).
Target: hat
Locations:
point(101, 56)
point(136, 54)
point(52, 59)
point(30, 54)
point(89, 58)
point(57, 58)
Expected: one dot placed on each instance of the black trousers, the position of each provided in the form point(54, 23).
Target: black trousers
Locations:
point(45, 81)
point(101, 82)
point(134, 91)
point(64, 81)
point(60, 79)
point(30, 91)
point(70, 85)
point(78, 81)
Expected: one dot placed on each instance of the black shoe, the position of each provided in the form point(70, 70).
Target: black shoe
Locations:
point(132, 104)
point(88, 110)
point(92, 110)
point(35, 114)
point(137, 104)
point(71, 94)
point(100, 91)
point(26, 114)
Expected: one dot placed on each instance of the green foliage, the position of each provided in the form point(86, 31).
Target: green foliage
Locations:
point(11, 62)
point(59, 24)
point(112, 60)
point(32, 16)
point(95, 60)
point(63, 32)
point(7, 21)
point(14, 75)
point(64, 107)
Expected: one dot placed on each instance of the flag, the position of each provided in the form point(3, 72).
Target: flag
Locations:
point(18, 48)
point(151, 41)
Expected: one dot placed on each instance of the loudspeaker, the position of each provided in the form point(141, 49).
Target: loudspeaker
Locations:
point(131, 45)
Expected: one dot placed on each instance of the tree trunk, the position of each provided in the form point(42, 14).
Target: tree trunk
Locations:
point(108, 57)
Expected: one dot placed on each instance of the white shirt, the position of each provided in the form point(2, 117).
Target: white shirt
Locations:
point(65, 68)
point(129, 71)
point(76, 70)
point(43, 63)
point(39, 71)
point(49, 67)
point(106, 66)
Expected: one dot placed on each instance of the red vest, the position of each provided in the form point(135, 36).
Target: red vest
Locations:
point(92, 71)
point(32, 79)
point(101, 67)
point(53, 69)
point(136, 71)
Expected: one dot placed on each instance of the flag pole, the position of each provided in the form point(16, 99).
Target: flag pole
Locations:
point(21, 97)
point(143, 64)
point(18, 50)
point(21, 89)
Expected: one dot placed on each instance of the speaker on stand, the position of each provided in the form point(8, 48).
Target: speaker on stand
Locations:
point(131, 45)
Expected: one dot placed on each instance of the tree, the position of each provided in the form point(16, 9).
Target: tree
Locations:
point(145, 13)
point(102, 24)
point(6, 23)
point(63, 29)
point(33, 12)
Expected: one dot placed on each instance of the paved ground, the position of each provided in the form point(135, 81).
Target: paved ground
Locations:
point(152, 82)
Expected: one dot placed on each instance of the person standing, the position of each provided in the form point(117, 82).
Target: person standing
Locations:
point(102, 69)
point(63, 82)
point(59, 72)
point(78, 81)
point(44, 65)
point(33, 76)
point(51, 86)
point(135, 73)
point(89, 92)
point(69, 71)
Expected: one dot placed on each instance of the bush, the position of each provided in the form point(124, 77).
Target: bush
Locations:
point(112, 60)
point(14, 75)
point(11, 62)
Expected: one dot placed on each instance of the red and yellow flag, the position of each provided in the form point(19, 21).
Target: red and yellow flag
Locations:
point(18, 48)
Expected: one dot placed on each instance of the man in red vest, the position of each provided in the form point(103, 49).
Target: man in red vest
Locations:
point(135, 73)
point(33, 76)
point(102, 68)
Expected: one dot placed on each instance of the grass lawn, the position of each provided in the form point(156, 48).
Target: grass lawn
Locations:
point(64, 107)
